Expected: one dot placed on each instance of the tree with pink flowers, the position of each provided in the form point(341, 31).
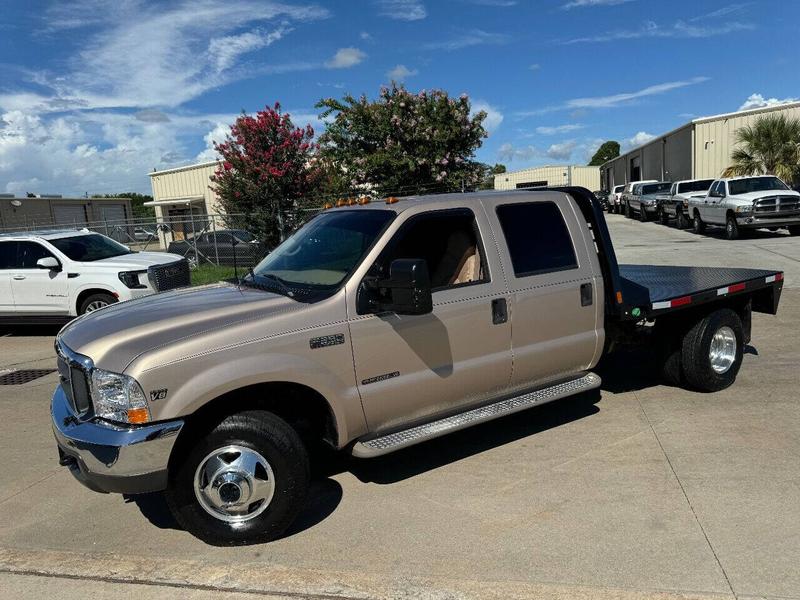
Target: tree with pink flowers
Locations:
point(403, 142)
point(265, 169)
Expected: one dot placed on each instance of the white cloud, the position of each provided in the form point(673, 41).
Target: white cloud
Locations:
point(585, 3)
point(143, 55)
point(466, 39)
point(641, 138)
point(495, 3)
point(651, 29)
point(758, 101)
point(509, 153)
point(723, 12)
point(553, 130)
point(401, 73)
point(403, 10)
point(493, 115)
point(345, 58)
point(366, 36)
point(535, 67)
point(614, 100)
point(561, 151)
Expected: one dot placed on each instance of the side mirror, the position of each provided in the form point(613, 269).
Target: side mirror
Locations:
point(49, 262)
point(408, 287)
point(715, 194)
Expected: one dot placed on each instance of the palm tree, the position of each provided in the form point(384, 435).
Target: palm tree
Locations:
point(771, 145)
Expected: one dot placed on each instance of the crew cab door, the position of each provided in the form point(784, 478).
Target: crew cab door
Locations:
point(556, 288)
point(414, 367)
point(36, 290)
point(711, 208)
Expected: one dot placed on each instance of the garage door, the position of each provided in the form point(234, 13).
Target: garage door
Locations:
point(70, 214)
point(114, 225)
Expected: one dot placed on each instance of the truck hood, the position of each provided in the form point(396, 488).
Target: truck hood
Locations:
point(114, 336)
point(137, 261)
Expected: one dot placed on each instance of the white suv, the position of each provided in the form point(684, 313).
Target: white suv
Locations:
point(62, 274)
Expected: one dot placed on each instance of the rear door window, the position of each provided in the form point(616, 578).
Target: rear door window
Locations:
point(8, 254)
point(28, 253)
point(537, 237)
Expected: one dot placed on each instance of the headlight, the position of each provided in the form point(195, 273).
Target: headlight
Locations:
point(744, 209)
point(131, 279)
point(118, 397)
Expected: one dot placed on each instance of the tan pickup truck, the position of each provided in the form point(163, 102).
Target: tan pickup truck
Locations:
point(374, 327)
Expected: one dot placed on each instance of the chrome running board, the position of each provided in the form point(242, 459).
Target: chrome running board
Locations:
point(427, 431)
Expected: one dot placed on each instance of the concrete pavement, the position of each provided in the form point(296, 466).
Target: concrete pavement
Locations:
point(650, 492)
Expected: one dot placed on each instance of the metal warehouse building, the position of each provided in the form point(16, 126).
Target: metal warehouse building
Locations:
point(33, 213)
point(697, 150)
point(588, 177)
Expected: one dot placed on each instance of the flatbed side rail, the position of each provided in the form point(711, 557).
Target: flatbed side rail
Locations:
point(765, 292)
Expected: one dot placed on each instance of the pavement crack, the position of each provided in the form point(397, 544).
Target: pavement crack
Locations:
point(777, 253)
point(29, 486)
point(686, 496)
point(179, 585)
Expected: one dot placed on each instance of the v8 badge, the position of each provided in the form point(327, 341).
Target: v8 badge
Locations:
point(158, 394)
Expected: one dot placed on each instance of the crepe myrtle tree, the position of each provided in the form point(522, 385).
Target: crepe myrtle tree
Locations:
point(264, 171)
point(403, 143)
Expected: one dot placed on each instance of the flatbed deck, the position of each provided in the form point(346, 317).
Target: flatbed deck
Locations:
point(656, 289)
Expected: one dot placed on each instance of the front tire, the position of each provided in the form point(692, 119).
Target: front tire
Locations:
point(242, 483)
point(731, 228)
point(96, 302)
point(643, 216)
point(681, 222)
point(794, 229)
point(697, 223)
point(628, 212)
point(712, 350)
point(663, 217)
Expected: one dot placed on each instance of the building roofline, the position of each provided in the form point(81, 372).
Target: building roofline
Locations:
point(693, 122)
point(184, 168)
point(548, 167)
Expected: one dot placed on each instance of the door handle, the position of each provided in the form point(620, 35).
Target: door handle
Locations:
point(19, 277)
point(499, 311)
point(586, 294)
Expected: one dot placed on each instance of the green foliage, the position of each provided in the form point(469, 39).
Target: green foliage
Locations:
point(207, 273)
point(265, 171)
point(606, 152)
point(137, 204)
point(770, 145)
point(488, 175)
point(403, 143)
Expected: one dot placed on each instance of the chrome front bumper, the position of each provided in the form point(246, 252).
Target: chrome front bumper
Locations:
point(109, 458)
point(756, 222)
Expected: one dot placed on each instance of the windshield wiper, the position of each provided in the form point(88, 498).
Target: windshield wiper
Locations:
point(279, 283)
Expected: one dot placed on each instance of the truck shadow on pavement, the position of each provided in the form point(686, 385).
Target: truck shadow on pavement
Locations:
point(324, 496)
point(43, 330)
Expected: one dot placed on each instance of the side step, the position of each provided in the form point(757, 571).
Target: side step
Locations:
point(427, 431)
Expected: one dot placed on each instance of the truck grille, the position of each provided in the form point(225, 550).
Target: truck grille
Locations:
point(74, 381)
point(777, 206)
point(170, 276)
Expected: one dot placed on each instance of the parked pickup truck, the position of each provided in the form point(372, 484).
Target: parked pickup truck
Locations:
point(643, 199)
point(747, 203)
point(615, 199)
point(675, 203)
point(373, 328)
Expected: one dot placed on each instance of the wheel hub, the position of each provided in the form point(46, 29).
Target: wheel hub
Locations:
point(234, 483)
point(722, 353)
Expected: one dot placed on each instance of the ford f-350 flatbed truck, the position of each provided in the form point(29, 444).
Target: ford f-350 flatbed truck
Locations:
point(374, 327)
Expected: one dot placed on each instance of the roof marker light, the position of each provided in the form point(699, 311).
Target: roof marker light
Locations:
point(391, 200)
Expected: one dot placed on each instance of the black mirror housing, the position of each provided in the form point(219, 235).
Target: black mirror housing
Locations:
point(408, 287)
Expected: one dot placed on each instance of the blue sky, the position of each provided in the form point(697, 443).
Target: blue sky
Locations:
point(95, 94)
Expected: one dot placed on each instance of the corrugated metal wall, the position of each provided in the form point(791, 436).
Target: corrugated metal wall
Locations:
point(45, 212)
point(187, 182)
point(715, 139)
point(588, 177)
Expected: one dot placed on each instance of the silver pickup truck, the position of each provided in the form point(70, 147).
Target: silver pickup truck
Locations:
point(740, 203)
point(675, 203)
point(372, 328)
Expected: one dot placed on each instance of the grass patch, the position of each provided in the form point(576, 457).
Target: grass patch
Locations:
point(212, 274)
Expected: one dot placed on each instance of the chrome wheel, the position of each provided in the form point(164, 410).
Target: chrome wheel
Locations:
point(96, 305)
point(722, 352)
point(234, 484)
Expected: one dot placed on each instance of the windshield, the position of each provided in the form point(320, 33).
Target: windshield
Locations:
point(88, 248)
point(322, 253)
point(618, 189)
point(700, 185)
point(656, 188)
point(755, 184)
point(242, 235)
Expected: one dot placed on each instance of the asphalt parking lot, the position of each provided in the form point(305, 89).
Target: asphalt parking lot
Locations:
point(648, 491)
